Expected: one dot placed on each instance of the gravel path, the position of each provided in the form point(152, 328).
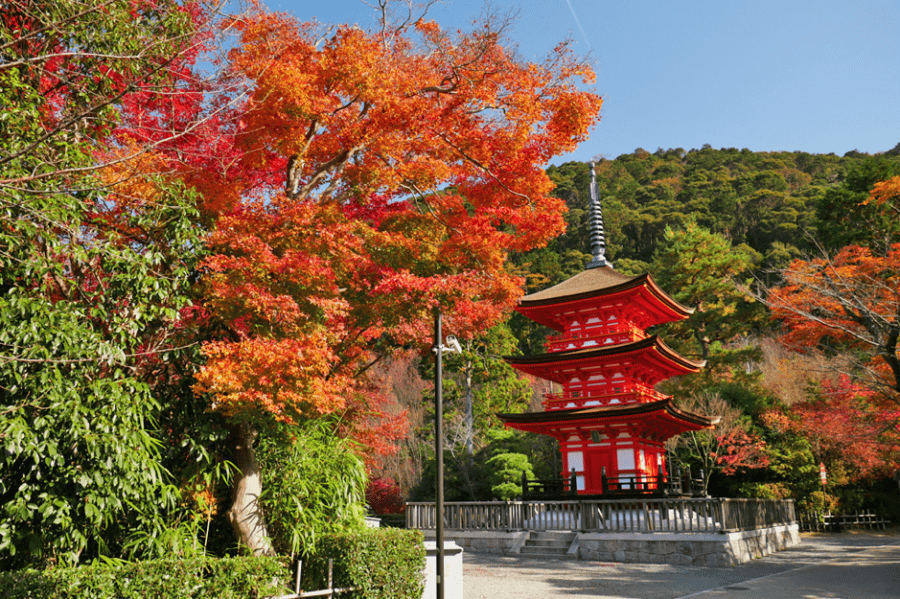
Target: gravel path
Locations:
point(501, 577)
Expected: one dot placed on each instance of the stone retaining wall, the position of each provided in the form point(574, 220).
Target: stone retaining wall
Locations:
point(483, 541)
point(688, 549)
point(717, 549)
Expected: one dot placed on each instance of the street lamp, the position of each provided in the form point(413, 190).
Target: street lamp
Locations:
point(439, 349)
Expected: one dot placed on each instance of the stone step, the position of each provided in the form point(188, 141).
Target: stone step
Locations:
point(560, 536)
point(544, 551)
point(546, 543)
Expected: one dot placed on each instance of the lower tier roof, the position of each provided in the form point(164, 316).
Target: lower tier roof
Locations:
point(659, 420)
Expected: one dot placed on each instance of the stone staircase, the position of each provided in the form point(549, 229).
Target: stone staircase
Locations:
point(548, 544)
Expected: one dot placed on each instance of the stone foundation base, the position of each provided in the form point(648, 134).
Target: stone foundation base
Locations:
point(683, 549)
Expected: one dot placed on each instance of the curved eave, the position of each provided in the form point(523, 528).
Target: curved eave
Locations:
point(650, 350)
point(600, 416)
point(583, 289)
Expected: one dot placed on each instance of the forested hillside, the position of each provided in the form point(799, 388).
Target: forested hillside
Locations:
point(780, 204)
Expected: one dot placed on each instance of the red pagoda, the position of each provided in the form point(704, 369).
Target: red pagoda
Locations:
point(610, 421)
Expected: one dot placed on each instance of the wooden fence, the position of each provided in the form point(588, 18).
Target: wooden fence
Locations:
point(826, 522)
point(615, 515)
point(329, 591)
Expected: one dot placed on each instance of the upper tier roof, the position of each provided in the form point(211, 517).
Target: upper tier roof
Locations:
point(545, 306)
point(587, 283)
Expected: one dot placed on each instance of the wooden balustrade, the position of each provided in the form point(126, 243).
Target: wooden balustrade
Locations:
point(622, 332)
point(749, 514)
point(635, 394)
point(607, 515)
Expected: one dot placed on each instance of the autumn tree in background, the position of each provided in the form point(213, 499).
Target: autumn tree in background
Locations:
point(845, 308)
point(886, 195)
point(846, 430)
point(847, 214)
point(731, 447)
point(386, 174)
point(847, 303)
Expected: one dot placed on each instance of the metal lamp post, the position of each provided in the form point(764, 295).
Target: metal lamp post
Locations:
point(439, 350)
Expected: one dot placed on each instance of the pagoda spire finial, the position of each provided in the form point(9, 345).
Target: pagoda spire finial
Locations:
point(598, 237)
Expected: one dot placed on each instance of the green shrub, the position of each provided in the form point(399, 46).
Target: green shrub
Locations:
point(505, 474)
point(387, 563)
point(226, 578)
point(312, 486)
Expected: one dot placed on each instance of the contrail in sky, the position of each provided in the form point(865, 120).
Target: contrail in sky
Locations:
point(577, 22)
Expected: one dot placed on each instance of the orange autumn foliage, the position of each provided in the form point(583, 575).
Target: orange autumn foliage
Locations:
point(851, 301)
point(887, 194)
point(383, 174)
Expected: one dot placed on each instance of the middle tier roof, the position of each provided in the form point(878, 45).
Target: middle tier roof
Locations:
point(646, 360)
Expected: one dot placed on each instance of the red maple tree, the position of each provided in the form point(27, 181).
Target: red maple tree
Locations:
point(845, 428)
point(382, 175)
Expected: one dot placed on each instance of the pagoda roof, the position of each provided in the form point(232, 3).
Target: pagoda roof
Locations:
point(662, 415)
point(651, 351)
point(600, 282)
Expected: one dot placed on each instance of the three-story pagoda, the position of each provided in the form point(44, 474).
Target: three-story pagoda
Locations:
point(610, 421)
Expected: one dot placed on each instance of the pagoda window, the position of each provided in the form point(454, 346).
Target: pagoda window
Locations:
point(576, 461)
point(624, 459)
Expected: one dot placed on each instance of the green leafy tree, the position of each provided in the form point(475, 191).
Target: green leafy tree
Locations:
point(483, 384)
point(699, 269)
point(96, 256)
point(505, 472)
point(478, 384)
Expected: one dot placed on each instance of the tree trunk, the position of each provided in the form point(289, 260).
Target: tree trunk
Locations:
point(470, 411)
point(245, 515)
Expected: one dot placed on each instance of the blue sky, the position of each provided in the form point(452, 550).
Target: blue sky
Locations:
point(818, 76)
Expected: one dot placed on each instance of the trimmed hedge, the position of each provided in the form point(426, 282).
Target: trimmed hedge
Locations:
point(386, 563)
point(226, 578)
